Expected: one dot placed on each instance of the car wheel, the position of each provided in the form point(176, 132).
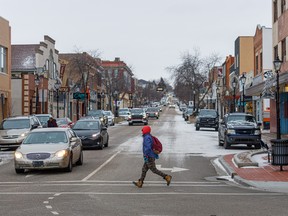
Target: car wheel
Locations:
point(106, 144)
point(130, 124)
point(216, 129)
point(257, 146)
point(146, 123)
point(197, 128)
point(70, 165)
point(226, 144)
point(80, 160)
point(19, 171)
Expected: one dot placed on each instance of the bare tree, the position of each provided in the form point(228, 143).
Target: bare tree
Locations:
point(191, 76)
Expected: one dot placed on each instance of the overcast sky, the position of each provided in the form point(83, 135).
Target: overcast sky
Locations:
point(149, 35)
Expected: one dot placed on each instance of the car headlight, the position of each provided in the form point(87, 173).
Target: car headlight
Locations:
point(18, 155)
point(257, 132)
point(231, 131)
point(23, 134)
point(61, 153)
point(95, 135)
point(101, 119)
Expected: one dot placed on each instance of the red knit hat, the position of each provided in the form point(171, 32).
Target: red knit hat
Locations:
point(146, 129)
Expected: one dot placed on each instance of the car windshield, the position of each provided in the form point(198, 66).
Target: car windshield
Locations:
point(43, 119)
point(15, 124)
point(124, 110)
point(86, 125)
point(123, 113)
point(190, 111)
point(95, 113)
point(46, 137)
point(108, 113)
point(152, 109)
point(242, 118)
point(212, 113)
point(137, 111)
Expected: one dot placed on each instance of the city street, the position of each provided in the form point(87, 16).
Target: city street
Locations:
point(103, 185)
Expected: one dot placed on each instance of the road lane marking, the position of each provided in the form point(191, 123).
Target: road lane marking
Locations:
point(54, 213)
point(49, 207)
point(99, 168)
point(148, 193)
point(46, 202)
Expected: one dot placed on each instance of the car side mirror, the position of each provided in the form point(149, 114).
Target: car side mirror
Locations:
point(259, 123)
point(34, 126)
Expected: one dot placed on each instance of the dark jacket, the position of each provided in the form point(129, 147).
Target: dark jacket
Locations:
point(52, 123)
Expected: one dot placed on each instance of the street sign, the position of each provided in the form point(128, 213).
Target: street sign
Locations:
point(78, 95)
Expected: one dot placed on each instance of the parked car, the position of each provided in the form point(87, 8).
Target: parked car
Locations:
point(99, 114)
point(188, 113)
point(138, 115)
point(239, 128)
point(43, 118)
point(13, 130)
point(49, 148)
point(207, 118)
point(64, 122)
point(92, 133)
point(152, 112)
point(124, 113)
point(111, 118)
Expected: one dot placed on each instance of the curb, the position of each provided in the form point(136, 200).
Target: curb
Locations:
point(233, 174)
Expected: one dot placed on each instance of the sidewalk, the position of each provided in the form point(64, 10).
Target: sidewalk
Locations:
point(252, 168)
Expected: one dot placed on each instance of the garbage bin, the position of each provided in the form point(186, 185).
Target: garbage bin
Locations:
point(280, 152)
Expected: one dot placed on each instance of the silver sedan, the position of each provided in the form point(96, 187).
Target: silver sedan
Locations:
point(49, 148)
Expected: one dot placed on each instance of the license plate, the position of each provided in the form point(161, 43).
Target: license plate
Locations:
point(37, 163)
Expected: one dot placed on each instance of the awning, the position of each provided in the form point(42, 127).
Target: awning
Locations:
point(256, 90)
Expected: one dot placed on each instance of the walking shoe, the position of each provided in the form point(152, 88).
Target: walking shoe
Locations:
point(138, 184)
point(168, 179)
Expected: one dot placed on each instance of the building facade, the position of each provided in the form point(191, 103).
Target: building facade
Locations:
point(31, 62)
point(5, 68)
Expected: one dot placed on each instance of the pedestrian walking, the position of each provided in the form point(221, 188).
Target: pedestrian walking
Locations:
point(149, 159)
point(52, 122)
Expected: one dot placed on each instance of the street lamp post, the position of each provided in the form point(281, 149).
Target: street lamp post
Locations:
point(217, 98)
point(85, 77)
point(243, 80)
point(57, 87)
point(234, 83)
point(37, 82)
point(277, 65)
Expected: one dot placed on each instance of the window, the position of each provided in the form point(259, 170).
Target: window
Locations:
point(283, 6)
point(256, 64)
point(283, 49)
point(275, 51)
point(261, 62)
point(3, 59)
point(275, 14)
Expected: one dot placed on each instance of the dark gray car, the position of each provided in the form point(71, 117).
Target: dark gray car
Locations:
point(92, 133)
point(239, 128)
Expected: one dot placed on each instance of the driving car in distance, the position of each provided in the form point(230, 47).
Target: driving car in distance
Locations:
point(13, 130)
point(152, 112)
point(99, 114)
point(239, 128)
point(138, 115)
point(207, 118)
point(49, 148)
point(92, 133)
point(111, 118)
point(124, 113)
